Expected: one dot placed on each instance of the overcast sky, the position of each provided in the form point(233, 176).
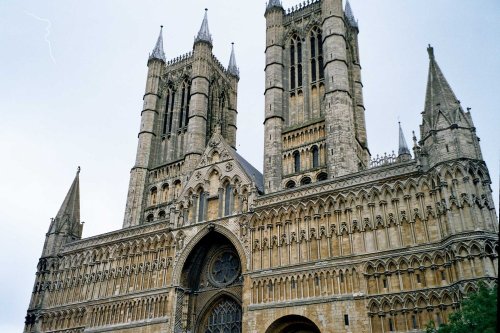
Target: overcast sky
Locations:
point(72, 76)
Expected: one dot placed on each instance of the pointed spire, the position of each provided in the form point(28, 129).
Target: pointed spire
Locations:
point(274, 3)
point(403, 146)
point(349, 15)
point(158, 50)
point(70, 208)
point(439, 97)
point(66, 226)
point(232, 67)
point(204, 33)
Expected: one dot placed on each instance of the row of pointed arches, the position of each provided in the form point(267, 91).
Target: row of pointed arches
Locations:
point(303, 285)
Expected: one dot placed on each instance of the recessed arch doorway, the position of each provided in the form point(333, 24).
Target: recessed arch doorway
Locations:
point(293, 324)
point(209, 294)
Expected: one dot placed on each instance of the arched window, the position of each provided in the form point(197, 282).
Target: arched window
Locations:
point(153, 196)
point(305, 181)
point(161, 215)
point(183, 100)
point(169, 109)
point(216, 112)
point(290, 184)
point(201, 205)
point(164, 194)
point(322, 176)
point(150, 218)
point(188, 99)
point(296, 161)
point(315, 156)
point(295, 62)
point(316, 48)
point(184, 112)
point(224, 317)
point(228, 191)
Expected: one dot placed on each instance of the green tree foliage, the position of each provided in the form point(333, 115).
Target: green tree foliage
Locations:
point(477, 314)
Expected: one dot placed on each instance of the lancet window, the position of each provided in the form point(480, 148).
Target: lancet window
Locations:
point(225, 317)
point(216, 111)
point(185, 97)
point(228, 189)
point(315, 156)
point(295, 62)
point(201, 205)
point(169, 110)
point(296, 161)
point(316, 48)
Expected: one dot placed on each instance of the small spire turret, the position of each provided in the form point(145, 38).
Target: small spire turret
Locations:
point(403, 146)
point(204, 33)
point(274, 3)
point(447, 131)
point(349, 15)
point(232, 67)
point(66, 226)
point(158, 52)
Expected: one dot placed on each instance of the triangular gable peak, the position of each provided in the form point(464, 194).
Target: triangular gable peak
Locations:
point(222, 184)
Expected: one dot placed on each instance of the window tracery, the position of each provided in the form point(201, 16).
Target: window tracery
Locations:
point(295, 62)
point(225, 317)
point(169, 109)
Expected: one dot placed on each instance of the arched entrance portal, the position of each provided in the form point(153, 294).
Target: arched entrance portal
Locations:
point(210, 290)
point(293, 324)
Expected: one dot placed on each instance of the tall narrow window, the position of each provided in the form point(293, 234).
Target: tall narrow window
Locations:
point(391, 325)
point(414, 321)
point(201, 206)
point(315, 157)
point(184, 111)
point(295, 62)
point(227, 199)
point(169, 110)
point(315, 45)
point(172, 101)
point(313, 70)
point(319, 39)
point(222, 113)
point(153, 196)
point(346, 320)
point(188, 99)
point(183, 101)
point(296, 160)
point(292, 65)
point(165, 119)
point(299, 63)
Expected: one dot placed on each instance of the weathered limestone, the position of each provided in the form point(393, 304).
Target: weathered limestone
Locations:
point(323, 242)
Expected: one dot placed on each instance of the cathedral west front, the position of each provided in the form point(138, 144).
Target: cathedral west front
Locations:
point(325, 240)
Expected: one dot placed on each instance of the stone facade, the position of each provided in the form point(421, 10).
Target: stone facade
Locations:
point(326, 240)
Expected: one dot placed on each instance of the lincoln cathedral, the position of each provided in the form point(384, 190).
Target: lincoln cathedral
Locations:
point(327, 239)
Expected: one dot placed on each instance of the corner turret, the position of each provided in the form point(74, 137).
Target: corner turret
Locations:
point(447, 131)
point(158, 52)
point(403, 151)
point(274, 4)
point(349, 15)
point(66, 226)
point(147, 135)
point(204, 35)
point(232, 68)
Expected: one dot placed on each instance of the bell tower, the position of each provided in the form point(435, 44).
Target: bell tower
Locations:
point(187, 100)
point(314, 111)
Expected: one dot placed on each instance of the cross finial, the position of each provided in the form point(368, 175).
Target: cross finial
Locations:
point(430, 50)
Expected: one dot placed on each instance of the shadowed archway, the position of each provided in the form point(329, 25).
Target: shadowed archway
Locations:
point(208, 298)
point(293, 324)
